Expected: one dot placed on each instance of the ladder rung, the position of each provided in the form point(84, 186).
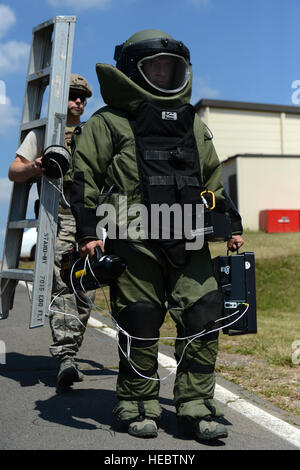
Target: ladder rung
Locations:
point(26, 223)
point(40, 75)
point(33, 124)
point(55, 19)
point(20, 274)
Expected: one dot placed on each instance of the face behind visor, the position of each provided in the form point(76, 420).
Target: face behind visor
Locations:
point(168, 73)
point(155, 61)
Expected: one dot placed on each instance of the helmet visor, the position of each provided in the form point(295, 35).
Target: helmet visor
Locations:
point(165, 72)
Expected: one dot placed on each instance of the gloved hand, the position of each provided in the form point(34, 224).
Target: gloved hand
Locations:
point(235, 242)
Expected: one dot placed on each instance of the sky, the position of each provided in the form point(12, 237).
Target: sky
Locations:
point(241, 50)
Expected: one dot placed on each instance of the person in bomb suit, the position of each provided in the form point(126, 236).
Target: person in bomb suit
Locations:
point(148, 145)
point(67, 331)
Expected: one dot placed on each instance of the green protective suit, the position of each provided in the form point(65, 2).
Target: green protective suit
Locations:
point(105, 157)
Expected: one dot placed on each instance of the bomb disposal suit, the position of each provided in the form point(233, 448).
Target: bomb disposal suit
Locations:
point(147, 146)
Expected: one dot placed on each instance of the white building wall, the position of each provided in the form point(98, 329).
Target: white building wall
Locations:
point(229, 169)
point(238, 131)
point(265, 183)
point(292, 135)
point(263, 138)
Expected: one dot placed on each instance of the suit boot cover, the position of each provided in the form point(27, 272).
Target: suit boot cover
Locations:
point(138, 394)
point(197, 411)
point(138, 381)
point(140, 416)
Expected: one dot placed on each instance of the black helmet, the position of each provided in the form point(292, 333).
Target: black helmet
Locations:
point(155, 61)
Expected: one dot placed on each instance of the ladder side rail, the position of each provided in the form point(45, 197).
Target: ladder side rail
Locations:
point(17, 211)
point(12, 244)
point(69, 55)
point(63, 37)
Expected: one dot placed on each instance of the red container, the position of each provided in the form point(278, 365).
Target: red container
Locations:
point(279, 220)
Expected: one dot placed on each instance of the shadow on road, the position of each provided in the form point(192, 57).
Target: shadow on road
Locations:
point(80, 408)
point(32, 370)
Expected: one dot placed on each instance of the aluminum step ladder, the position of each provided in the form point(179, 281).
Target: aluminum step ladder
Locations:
point(49, 65)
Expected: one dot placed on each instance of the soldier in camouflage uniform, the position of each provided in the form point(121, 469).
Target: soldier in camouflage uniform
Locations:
point(67, 330)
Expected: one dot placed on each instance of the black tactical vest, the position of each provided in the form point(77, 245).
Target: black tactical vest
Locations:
point(169, 170)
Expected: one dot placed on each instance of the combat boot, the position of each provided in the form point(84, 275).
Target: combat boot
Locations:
point(206, 429)
point(68, 373)
point(143, 428)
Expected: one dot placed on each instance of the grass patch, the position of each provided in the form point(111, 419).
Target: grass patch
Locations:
point(265, 245)
point(278, 283)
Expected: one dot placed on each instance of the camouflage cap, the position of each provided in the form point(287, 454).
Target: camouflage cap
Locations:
point(77, 82)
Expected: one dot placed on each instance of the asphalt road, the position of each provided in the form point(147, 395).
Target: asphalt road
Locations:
point(34, 416)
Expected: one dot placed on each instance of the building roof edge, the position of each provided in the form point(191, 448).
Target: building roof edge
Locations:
point(246, 106)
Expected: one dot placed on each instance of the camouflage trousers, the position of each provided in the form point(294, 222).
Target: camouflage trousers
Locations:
point(68, 315)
